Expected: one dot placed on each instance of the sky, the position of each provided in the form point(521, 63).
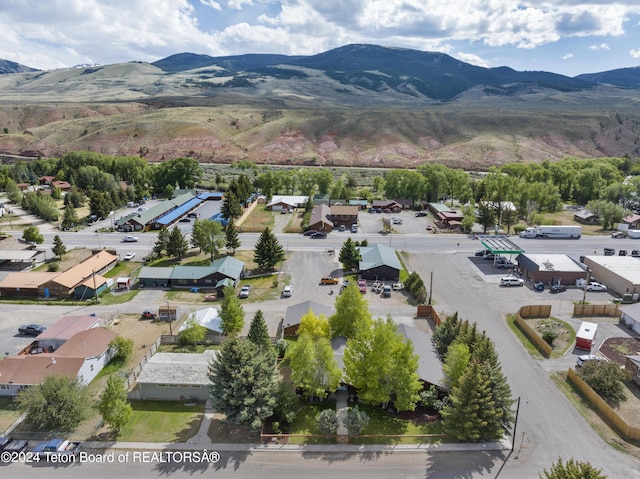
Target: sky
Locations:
point(561, 36)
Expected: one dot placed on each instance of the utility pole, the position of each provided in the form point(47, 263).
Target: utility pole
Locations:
point(584, 290)
point(430, 287)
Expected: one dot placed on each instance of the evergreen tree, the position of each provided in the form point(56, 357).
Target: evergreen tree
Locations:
point(268, 251)
point(59, 249)
point(355, 421)
point(243, 383)
point(259, 332)
point(313, 366)
point(69, 218)
point(161, 243)
point(231, 236)
point(328, 422)
point(352, 313)
point(572, 470)
point(232, 313)
point(471, 414)
point(231, 208)
point(113, 405)
point(177, 243)
point(349, 256)
point(445, 334)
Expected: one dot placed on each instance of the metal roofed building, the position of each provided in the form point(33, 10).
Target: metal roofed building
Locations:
point(379, 262)
point(551, 268)
point(500, 245)
point(620, 273)
point(295, 312)
point(175, 377)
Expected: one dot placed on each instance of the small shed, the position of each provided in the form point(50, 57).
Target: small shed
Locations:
point(123, 282)
point(632, 363)
point(168, 313)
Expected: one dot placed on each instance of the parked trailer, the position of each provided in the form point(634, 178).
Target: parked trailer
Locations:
point(586, 335)
point(552, 232)
point(635, 234)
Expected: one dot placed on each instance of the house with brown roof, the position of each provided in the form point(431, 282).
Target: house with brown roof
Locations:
point(63, 285)
point(633, 221)
point(82, 356)
point(26, 284)
point(319, 220)
point(391, 205)
point(343, 215)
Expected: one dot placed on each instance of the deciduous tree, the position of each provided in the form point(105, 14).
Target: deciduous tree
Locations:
point(231, 313)
point(606, 378)
point(382, 366)
point(32, 235)
point(313, 366)
point(113, 405)
point(208, 236)
point(352, 313)
point(59, 403)
point(193, 332)
point(572, 469)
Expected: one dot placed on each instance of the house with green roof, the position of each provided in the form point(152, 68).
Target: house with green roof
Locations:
point(223, 271)
point(379, 262)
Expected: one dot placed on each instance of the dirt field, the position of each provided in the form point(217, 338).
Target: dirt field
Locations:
point(143, 333)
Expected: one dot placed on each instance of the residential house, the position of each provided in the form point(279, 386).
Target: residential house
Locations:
point(343, 215)
point(632, 363)
point(319, 219)
point(406, 203)
point(225, 268)
point(322, 199)
point(390, 205)
point(63, 330)
point(586, 217)
point(210, 319)
point(429, 364)
point(633, 221)
point(362, 204)
point(379, 262)
point(286, 202)
point(82, 356)
point(175, 377)
point(295, 312)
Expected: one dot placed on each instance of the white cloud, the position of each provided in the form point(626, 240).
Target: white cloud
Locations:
point(473, 59)
point(567, 56)
point(211, 3)
point(602, 46)
point(635, 53)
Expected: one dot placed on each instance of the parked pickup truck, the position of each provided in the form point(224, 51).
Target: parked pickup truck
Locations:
point(55, 448)
point(8, 444)
point(31, 330)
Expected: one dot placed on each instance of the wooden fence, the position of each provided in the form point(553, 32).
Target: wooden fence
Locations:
point(607, 412)
point(534, 311)
point(611, 310)
point(130, 381)
point(428, 311)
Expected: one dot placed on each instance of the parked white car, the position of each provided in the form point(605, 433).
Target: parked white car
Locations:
point(595, 286)
point(129, 256)
point(588, 357)
point(287, 291)
point(130, 239)
point(244, 292)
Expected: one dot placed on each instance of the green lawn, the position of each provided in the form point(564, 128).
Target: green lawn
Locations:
point(8, 413)
point(162, 421)
point(380, 423)
point(119, 298)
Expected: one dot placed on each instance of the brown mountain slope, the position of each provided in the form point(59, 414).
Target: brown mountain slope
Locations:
point(468, 134)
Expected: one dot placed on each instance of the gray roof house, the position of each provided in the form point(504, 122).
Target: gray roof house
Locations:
point(295, 312)
point(379, 262)
point(175, 377)
point(429, 365)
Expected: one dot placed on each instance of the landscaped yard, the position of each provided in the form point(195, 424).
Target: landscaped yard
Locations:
point(161, 421)
point(8, 413)
point(389, 427)
point(566, 335)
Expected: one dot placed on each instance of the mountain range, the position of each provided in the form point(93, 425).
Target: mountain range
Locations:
point(357, 104)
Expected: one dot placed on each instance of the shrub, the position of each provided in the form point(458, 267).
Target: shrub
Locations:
point(53, 267)
point(281, 347)
point(549, 336)
point(327, 421)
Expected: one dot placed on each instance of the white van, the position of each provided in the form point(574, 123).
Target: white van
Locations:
point(511, 281)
